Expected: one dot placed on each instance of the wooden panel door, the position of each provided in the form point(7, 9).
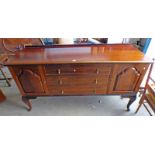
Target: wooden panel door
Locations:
point(126, 78)
point(29, 79)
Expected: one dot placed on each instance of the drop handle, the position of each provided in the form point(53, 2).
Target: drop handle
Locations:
point(96, 82)
point(59, 71)
point(62, 92)
point(97, 71)
point(60, 82)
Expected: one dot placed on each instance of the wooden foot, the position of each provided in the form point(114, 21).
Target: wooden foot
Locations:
point(27, 102)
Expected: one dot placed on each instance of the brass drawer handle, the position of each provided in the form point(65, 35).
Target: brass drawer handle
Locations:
point(96, 82)
point(62, 92)
point(97, 71)
point(59, 71)
point(60, 82)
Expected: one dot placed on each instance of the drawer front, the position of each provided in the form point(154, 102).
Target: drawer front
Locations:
point(77, 80)
point(77, 90)
point(78, 69)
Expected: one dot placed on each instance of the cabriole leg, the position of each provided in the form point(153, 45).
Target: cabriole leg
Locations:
point(27, 102)
point(132, 99)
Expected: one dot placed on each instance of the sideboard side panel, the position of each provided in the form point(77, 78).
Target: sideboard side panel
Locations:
point(16, 80)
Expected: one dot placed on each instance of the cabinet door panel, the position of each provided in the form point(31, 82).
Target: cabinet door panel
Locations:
point(126, 78)
point(30, 82)
point(29, 79)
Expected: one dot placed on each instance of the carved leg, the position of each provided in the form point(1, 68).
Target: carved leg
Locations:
point(27, 102)
point(132, 99)
point(99, 101)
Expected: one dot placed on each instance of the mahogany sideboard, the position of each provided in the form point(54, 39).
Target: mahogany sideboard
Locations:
point(78, 70)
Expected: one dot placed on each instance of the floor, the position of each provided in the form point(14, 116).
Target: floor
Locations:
point(67, 106)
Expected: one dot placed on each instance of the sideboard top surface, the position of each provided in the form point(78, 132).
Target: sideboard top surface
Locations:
point(121, 53)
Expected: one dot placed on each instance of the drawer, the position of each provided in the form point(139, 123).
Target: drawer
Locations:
point(77, 90)
point(77, 69)
point(77, 80)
